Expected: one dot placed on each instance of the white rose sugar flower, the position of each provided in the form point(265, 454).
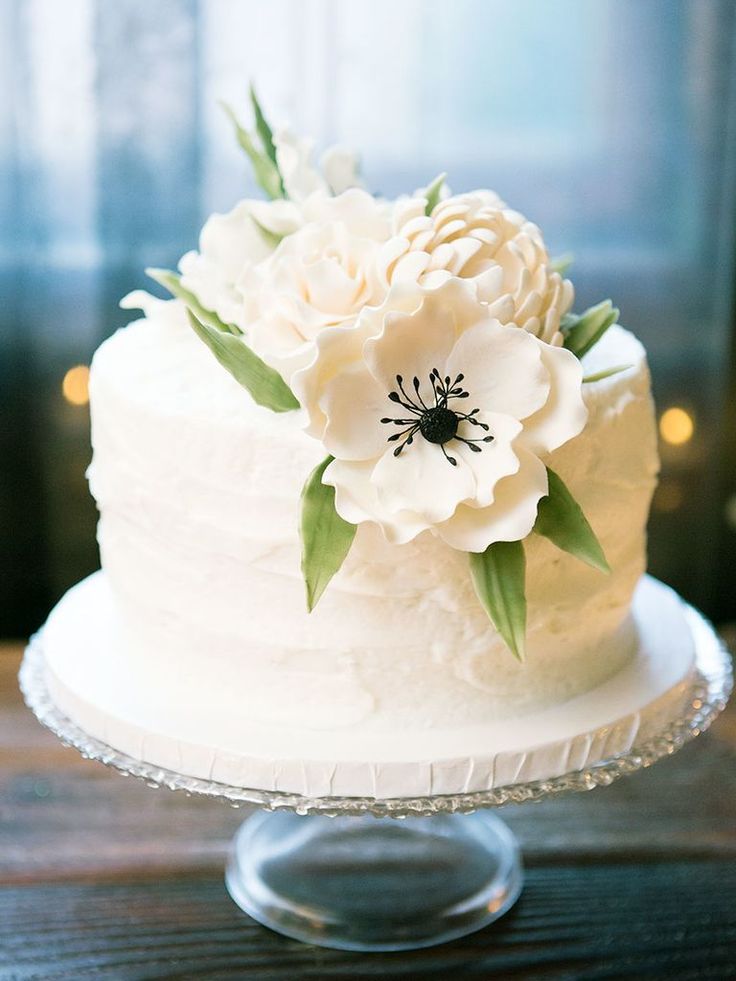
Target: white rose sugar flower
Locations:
point(321, 276)
point(228, 245)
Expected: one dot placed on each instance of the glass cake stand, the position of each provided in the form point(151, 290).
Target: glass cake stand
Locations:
point(338, 872)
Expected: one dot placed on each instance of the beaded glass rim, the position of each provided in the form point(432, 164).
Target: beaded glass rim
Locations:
point(710, 687)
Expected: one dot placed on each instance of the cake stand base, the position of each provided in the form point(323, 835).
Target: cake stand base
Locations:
point(374, 884)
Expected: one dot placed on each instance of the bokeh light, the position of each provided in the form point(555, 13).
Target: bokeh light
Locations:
point(676, 426)
point(75, 387)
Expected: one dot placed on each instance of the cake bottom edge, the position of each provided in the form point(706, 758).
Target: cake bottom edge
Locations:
point(604, 723)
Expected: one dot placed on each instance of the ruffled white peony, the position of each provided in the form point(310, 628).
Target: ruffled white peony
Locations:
point(437, 416)
point(475, 236)
point(322, 275)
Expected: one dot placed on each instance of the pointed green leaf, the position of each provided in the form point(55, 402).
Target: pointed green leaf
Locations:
point(582, 332)
point(560, 518)
point(561, 263)
point(607, 373)
point(265, 385)
point(326, 537)
point(265, 170)
point(499, 578)
point(264, 131)
point(171, 281)
point(432, 194)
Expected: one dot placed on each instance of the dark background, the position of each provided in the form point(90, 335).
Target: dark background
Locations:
point(612, 123)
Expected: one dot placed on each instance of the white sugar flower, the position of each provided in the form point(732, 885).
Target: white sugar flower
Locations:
point(437, 415)
point(337, 172)
point(229, 244)
point(318, 277)
point(475, 236)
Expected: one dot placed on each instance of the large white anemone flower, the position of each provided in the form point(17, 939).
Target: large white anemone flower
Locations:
point(437, 416)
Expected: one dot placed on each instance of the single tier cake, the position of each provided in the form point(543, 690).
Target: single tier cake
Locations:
point(372, 505)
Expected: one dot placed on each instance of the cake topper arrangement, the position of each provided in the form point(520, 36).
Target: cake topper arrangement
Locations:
point(427, 343)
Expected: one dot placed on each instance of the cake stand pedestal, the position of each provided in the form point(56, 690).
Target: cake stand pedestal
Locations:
point(337, 872)
point(369, 883)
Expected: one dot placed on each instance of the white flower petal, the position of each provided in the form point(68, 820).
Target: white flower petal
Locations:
point(279, 217)
point(502, 309)
point(511, 516)
point(273, 337)
point(495, 460)
point(329, 288)
point(502, 367)
point(356, 500)
point(338, 347)
point(564, 414)
point(490, 284)
point(387, 256)
point(413, 345)
point(232, 239)
point(409, 267)
point(351, 435)
point(463, 251)
point(294, 157)
point(363, 215)
point(422, 480)
point(341, 168)
point(228, 245)
point(436, 277)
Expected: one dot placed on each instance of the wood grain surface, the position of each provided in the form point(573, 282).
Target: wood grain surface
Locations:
point(102, 877)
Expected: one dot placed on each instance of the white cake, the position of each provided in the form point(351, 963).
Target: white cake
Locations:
point(194, 649)
point(198, 491)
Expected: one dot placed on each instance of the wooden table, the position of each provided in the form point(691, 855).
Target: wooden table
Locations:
point(102, 877)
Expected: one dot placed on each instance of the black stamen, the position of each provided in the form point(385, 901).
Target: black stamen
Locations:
point(437, 423)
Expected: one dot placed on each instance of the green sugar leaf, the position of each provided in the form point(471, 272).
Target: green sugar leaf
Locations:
point(561, 263)
point(265, 169)
point(326, 537)
point(606, 373)
point(582, 332)
point(432, 193)
point(265, 385)
point(264, 131)
point(498, 576)
point(171, 281)
point(560, 518)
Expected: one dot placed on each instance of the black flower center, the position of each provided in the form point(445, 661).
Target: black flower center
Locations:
point(437, 423)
